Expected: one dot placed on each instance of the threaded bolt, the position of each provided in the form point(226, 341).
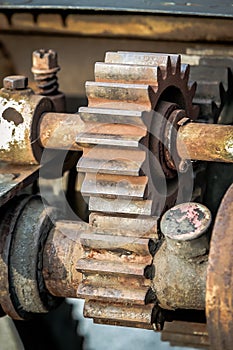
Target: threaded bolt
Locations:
point(44, 69)
point(15, 82)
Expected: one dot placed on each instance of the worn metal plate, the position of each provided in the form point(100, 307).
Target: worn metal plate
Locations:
point(13, 178)
point(198, 7)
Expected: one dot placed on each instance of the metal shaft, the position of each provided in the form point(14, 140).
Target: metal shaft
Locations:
point(59, 131)
point(61, 252)
point(207, 142)
point(196, 141)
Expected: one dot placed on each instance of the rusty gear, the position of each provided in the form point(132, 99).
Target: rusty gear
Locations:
point(124, 100)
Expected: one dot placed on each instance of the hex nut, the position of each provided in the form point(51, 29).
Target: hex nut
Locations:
point(15, 82)
point(44, 59)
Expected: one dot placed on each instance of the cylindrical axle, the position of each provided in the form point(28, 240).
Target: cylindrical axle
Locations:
point(62, 250)
point(207, 142)
point(59, 131)
point(196, 141)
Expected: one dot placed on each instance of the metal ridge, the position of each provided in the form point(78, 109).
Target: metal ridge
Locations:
point(212, 8)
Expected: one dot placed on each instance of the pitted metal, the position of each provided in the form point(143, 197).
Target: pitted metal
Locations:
point(127, 119)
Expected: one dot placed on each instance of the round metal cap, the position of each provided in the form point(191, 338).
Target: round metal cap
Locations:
point(186, 221)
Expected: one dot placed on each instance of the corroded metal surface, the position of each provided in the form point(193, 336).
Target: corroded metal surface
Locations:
point(15, 82)
point(113, 274)
point(24, 228)
point(13, 178)
point(219, 300)
point(216, 142)
point(59, 131)
point(28, 291)
point(186, 221)
point(179, 283)
point(62, 250)
point(187, 334)
point(20, 111)
point(45, 68)
point(117, 264)
point(8, 223)
point(180, 261)
point(123, 266)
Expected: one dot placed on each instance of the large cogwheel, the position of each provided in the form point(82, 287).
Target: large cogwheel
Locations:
point(130, 178)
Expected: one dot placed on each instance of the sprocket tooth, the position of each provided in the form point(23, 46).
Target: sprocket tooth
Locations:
point(222, 92)
point(178, 65)
point(169, 69)
point(186, 73)
point(192, 89)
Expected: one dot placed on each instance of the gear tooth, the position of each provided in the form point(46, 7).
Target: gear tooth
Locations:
point(222, 93)
point(114, 186)
point(192, 89)
point(118, 260)
point(178, 65)
point(160, 74)
point(169, 66)
point(186, 73)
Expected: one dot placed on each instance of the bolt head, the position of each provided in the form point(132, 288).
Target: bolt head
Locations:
point(15, 82)
point(44, 59)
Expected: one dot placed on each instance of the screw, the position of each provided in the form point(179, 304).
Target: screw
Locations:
point(45, 70)
point(15, 82)
point(44, 60)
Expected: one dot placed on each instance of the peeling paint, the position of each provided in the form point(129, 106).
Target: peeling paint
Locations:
point(9, 131)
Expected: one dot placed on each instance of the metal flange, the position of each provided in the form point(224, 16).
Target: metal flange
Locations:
point(25, 227)
point(219, 298)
